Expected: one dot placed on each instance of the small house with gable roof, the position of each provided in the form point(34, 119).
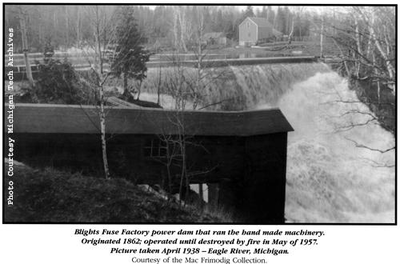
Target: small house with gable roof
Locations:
point(256, 29)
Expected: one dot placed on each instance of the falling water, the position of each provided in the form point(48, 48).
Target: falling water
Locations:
point(335, 172)
point(335, 169)
point(234, 87)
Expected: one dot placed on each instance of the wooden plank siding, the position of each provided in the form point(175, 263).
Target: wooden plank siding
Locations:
point(248, 34)
point(253, 30)
point(244, 152)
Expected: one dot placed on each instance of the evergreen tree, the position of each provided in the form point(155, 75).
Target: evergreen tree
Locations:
point(264, 13)
point(270, 15)
point(229, 22)
point(131, 57)
point(249, 12)
point(280, 20)
point(288, 20)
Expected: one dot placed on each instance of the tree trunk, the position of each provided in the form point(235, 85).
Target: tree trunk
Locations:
point(125, 83)
point(103, 133)
point(200, 56)
point(97, 36)
point(40, 30)
point(159, 86)
point(78, 26)
point(139, 89)
point(67, 26)
point(98, 51)
point(357, 56)
point(343, 56)
point(101, 80)
point(391, 71)
point(25, 48)
point(182, 23)
point(378, 84)
point(176, 40)
point(369, 49)
point(321, 41)
point(291, 32)
point(300, 33)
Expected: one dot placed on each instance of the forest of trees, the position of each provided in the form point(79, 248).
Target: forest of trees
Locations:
point(65, 26)
point(363, 37)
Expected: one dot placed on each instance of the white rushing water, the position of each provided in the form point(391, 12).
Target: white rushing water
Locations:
point(335, 173)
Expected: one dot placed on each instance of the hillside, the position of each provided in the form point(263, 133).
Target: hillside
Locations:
point(51, 196)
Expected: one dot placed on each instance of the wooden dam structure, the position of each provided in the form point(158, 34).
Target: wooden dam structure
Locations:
point(240, 155)
point(19, 69)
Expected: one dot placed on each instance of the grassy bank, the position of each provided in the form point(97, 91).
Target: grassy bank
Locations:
point(60, 197)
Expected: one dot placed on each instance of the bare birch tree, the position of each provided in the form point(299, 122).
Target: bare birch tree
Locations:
point(376, 18)
point(187, 86)
point(181, 28)
point(22, 16)
point(365, 36)
point(101, 25)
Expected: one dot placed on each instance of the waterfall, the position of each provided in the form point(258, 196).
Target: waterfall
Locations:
point(335, 173)
point(234, 87)
point(265, 84)
point(335, 169)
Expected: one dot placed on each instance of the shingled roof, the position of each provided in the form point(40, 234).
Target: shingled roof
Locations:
point(40, 118)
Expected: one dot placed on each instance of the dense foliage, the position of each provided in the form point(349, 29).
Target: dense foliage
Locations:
point(58, 83)
point(71, 25)
point(130, 56)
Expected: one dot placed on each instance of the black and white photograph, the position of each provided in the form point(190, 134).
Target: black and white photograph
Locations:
point(235, 115)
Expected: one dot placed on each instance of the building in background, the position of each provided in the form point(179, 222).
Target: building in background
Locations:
point(254, 30)
point(215, 38)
